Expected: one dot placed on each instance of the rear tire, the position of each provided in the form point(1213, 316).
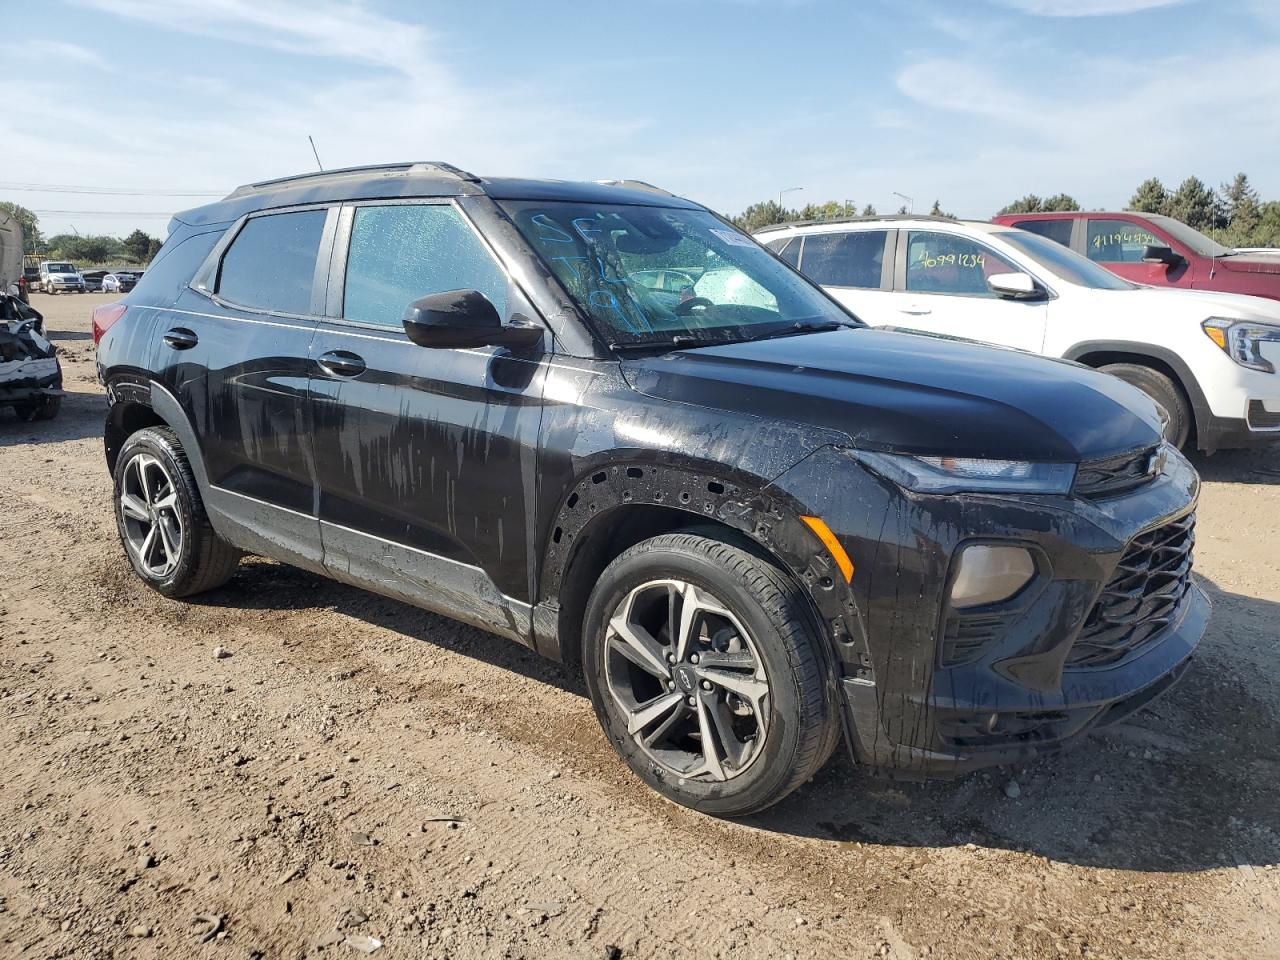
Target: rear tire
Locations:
point(45, 409)
point(162, 521)
point(1162, 389)
point(705, 668)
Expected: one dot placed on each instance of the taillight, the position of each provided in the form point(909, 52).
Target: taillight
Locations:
point(104, 317)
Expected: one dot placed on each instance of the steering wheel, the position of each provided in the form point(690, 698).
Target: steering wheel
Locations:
point(684, 308)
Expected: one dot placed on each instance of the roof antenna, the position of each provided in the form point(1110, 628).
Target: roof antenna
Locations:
point(316, 152)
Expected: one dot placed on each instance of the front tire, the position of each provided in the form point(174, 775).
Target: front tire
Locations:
point(705, 668)
point(161, 518)
point(1160, 388)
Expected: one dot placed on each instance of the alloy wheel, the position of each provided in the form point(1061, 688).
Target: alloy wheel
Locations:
point(149, 514)
point(688, 679)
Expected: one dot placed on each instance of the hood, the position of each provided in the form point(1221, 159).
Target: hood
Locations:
point(1250, 263)
point(912, 393)
point(1200, 304)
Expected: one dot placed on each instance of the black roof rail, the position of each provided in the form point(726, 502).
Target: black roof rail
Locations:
point(878, 217)
point(418, 166)
point(635, 185)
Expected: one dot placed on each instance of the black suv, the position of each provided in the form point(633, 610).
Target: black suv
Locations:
point(601, 421)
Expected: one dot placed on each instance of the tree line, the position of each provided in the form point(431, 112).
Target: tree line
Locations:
point(138, 247)
point(768, 212)
point(1234, 214)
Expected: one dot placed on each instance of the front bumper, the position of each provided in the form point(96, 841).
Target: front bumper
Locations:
point(912, 709)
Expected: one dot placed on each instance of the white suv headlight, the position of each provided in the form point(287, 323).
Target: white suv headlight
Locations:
point(968, 475)
point(1242, 340)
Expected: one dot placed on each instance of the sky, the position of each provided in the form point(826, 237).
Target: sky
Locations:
point(166, 104)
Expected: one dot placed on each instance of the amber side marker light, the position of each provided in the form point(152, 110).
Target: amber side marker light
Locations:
point(819, 526)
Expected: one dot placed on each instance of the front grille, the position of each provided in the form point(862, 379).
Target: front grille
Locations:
point(1141, 598)
point(1260, 418)
point(1115, 475)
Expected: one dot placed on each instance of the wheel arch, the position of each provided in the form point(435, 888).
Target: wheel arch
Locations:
point(136, 404)
point(615, 506)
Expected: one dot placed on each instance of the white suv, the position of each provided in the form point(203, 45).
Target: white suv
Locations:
point(1210, 359)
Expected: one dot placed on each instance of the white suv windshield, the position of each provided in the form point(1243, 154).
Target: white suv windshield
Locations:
point(1062, 262)
point(658, 275)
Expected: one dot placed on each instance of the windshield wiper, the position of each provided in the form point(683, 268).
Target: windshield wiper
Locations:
point(685, 341)
point(804, 326)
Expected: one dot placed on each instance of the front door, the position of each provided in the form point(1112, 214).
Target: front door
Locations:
point(940, 286)
point(426, 458)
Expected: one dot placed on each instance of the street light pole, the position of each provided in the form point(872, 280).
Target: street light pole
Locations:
point(911, 204)
point(786, 191)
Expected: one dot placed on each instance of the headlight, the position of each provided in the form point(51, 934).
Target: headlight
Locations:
point(1242, 340)
point(965, 475)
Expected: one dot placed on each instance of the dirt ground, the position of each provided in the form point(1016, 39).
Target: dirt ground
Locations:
point(359, 769)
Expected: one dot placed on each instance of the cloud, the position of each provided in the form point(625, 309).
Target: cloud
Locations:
point(371, 88)
point(1090, 142)
point(42, 51)
point(1085, 8)
point(347, 31)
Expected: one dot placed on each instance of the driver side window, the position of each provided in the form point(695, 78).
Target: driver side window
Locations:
point(1118, 241)
point(946, 263)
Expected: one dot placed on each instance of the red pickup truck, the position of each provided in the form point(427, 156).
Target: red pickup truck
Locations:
point(1157, 250)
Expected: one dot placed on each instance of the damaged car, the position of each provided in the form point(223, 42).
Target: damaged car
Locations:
point(30, 374)
point(599, 420)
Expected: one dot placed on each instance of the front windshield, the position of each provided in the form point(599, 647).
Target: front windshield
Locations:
point(1190, 236)
point(657, 275)
point(62, 268)
point(1063, 262)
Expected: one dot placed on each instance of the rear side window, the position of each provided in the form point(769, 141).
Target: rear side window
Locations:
point(788, 248)
point(1059, 231)
point(844, 259)
point(401, 253)
point(1118, 241)
point(173, 267)
point(272, 261)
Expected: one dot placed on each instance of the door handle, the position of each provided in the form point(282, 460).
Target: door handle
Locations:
point(916, 311)
point(340, 363)
point(180, 338)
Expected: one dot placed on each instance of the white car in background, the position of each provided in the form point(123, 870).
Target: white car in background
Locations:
point(1209, 359)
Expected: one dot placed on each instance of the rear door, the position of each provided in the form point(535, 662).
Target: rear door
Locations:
point(1118, 245)
point(427, 458)
point(940, 286)
point(855, 267)
point(236, 359)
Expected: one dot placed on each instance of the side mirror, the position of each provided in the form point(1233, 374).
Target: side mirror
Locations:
point(457, 319)
point(1014, 286)
point(1157, 254)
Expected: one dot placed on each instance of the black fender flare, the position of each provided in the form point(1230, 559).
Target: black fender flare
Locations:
point(761, 513)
